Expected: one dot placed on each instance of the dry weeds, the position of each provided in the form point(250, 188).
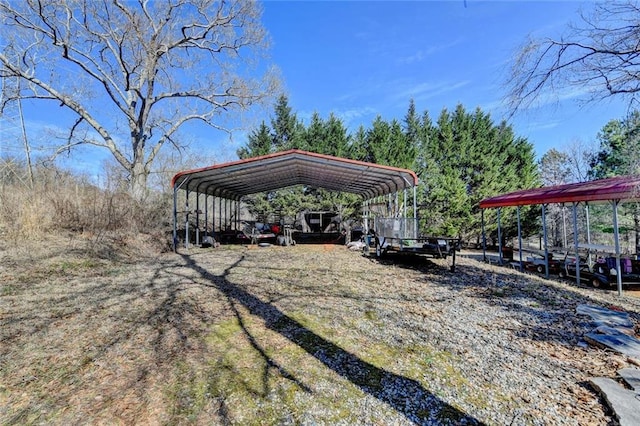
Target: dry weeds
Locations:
point(296, 335)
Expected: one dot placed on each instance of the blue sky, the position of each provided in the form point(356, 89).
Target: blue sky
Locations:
point(360, 59)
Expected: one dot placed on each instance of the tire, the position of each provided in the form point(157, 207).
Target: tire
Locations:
point(562, 274)
point(540, 269)
point(596, 283)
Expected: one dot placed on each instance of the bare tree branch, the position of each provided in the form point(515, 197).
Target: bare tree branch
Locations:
point(597, 59)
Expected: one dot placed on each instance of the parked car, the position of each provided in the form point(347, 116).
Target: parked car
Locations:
point(630, 270)
point(587, 274)
point(603, 272)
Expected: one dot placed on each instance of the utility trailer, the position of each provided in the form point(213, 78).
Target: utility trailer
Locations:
point(400, 235)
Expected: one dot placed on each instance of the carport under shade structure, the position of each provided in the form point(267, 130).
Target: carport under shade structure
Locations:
point(234, 180)
point(612, 190)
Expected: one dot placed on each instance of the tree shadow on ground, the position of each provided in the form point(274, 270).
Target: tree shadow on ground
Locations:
point(407, 396)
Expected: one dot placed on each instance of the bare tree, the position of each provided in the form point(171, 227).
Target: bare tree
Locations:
point(579, 156)
point(133, 73)
point(597, 59)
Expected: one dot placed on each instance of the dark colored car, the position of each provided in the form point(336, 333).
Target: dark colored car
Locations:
point(587, 275)
point(604, 272)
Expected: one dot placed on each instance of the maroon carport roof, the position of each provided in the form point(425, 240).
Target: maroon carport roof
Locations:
point(294, 167)
point(615, 188)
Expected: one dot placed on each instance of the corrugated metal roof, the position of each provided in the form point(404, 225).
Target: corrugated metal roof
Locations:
point(616, 188)
point(295, 167)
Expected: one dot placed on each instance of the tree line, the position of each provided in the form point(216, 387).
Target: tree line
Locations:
point(460, 158)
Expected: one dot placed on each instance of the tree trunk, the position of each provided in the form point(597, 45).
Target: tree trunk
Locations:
point(138, 183)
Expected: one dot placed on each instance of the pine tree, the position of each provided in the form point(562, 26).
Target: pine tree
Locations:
point(378, 142)
point(286, 128)
point(336, 137)
point(315, 134)
point(463, 160)
point(619, 152)
point(259, 143)
point(358, 149)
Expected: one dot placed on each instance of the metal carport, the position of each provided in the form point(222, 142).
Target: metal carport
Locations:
point(613, 190)
point(234, 180)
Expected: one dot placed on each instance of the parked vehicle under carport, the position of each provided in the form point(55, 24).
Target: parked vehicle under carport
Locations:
point(603, 272)
point(587, 274)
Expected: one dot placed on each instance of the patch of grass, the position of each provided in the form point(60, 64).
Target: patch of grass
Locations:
point(8, 289)
point(371, 315)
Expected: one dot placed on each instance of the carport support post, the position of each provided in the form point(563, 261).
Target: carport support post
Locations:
point(575, 241)
point(404, 211)
point(220, 213)
point(365, 218)
point(415, 214)
point(564, 227)
point(616, 237)
point(499, 238)
point(519, 237)
point(175, 219)
point(544, 237)
point(586, 214)
point(186, 222)
point(206, 215)
point(213, 216)
point(237, 224)
point(484, 237)
point(197, 218)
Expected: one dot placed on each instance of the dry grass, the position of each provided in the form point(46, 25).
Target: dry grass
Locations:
point(241, 335)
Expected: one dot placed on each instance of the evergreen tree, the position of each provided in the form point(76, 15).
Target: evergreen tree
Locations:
point(259, 143)
point(315, 134)
point(412, 135)
point(619, 152)
point(358, 149)
point(619, 155)
point(286, 127)
point(402, 151)
point(378, 141)
point(336, 137)
point(465, 159)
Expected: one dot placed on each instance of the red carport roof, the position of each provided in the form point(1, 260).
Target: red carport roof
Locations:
point(616, 188)
point(295, 167)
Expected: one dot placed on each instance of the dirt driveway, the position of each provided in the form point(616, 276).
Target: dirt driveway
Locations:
point(297, 335)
